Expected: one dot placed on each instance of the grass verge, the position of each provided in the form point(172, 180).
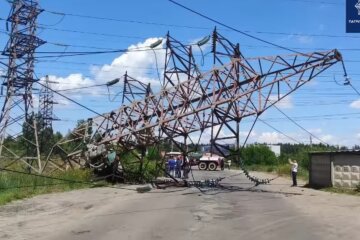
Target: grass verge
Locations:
point(281, 170)
point(19, 186)
point(342, 191)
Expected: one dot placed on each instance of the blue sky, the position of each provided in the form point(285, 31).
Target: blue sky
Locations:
point(331, 110)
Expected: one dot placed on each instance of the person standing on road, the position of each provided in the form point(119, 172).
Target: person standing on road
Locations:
point(229, 164)
point(186, 169)
point(294, 169)
point(178, 167)
point(172, 166)
point(222, 163)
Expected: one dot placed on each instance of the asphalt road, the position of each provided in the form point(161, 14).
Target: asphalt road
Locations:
point(214, 214)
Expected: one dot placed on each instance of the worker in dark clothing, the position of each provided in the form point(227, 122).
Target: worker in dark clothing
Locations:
point(172, 167)
point(186, 169)
point(178, 167)
point(222, 164)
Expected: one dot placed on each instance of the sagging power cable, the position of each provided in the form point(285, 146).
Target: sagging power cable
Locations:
point(233, 29)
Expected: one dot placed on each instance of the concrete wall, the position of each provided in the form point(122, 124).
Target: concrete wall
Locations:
point(346, 170)
point(320, 171)
point(335, 169)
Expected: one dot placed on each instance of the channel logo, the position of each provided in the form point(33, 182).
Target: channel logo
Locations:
point(353, 16)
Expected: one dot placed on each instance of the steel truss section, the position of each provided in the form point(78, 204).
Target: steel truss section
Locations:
point(192, 105)
point(17, 113)
point(70, 149)
point(217, 89)
point(222, 49)
point(220, 97)
point(134, 89)
point(179, 63)
point(46, 106)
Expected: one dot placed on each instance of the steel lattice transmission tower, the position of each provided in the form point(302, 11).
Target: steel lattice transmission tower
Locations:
point(46, 106)
point(17, 115)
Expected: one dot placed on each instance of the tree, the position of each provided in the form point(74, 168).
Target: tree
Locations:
point(300, 152)
point(28, 140)
point(77, 136)
point(259, 155)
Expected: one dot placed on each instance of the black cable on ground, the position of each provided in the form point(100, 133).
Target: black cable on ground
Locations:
point(65, 181)
point(44, 176)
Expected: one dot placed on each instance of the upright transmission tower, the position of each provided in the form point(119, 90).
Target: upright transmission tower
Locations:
point(17, 116)
point(46, 105)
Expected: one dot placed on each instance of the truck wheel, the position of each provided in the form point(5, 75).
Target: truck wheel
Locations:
point(202, 166)
point(212, 166)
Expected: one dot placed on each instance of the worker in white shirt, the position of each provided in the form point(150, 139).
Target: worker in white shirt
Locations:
point(229, 164)
point(294, 169)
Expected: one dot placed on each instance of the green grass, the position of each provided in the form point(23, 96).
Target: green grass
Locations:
point(281, 170)
point(355, 192)
point(14, 186)
point(133, 175)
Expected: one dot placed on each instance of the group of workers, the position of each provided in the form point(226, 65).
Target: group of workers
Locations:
point(178, 167)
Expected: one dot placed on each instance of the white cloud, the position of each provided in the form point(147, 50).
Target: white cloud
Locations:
point(35, 101)
point(286, 38)
point(318, 133)
point(62, 103)
point(206, 136)
point(305, 39)
point(75, 80)
point(328, 138)
point(275, 137)
point(245, 134)
point(301, 39)
point(135, 63)
point(271, 137)
point(285, 103)
point(355, 104)
point(315, 131)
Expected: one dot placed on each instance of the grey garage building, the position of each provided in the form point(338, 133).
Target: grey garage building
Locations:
point(335, 169)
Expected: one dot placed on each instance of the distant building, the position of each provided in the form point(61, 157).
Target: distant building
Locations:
point(335, 169)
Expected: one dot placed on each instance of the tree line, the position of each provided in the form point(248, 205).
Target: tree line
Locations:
point(260, 154)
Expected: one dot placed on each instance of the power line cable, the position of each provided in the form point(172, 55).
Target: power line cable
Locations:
point(277, 130)
point(84, 53)
point(234, 29)
point(180, 26)
point(96, 64)
point(80, 88)
point(352, 86)
point(315, 116)
point(79, 46)
point(91, 33)
point(176, 26)
point(71, 100)
point(44, 176)
point(124, 20)
point(297, 124)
